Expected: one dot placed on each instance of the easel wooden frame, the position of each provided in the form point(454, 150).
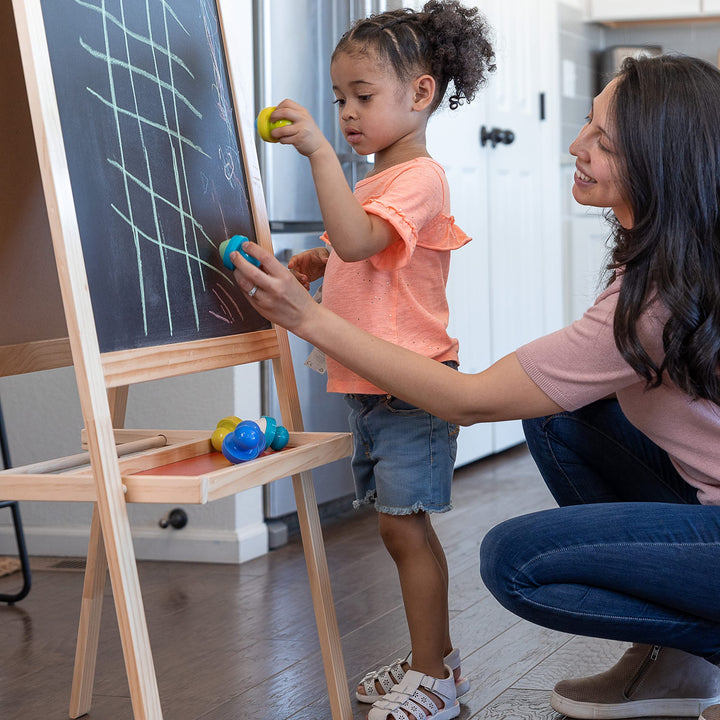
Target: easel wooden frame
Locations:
point(118, 466)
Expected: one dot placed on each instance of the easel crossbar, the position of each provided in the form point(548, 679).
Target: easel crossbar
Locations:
point(127, 367)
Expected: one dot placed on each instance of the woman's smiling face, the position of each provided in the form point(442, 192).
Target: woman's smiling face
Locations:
point(597, 180)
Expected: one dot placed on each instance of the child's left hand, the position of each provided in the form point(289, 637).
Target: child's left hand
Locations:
point(309, 265)
point(303, 132)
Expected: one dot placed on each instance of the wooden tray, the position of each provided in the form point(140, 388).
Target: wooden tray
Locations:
point(184, 468)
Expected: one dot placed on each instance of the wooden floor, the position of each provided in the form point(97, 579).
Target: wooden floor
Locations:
point(239, 642)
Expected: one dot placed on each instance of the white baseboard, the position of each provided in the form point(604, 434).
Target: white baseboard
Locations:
point(186, 545)
point(189, 545)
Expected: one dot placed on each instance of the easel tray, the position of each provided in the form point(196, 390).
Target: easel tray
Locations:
point(179, 467)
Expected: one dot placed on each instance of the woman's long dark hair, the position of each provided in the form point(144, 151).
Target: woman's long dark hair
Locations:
point(667, 134)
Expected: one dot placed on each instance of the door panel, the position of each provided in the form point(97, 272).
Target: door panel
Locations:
point(516, 280)
point(452, 141)
point(504, 291)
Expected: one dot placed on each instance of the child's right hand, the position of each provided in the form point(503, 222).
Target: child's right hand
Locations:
point(309, 265)
point(303, 131)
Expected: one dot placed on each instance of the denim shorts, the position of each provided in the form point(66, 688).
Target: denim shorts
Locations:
point(403, 457)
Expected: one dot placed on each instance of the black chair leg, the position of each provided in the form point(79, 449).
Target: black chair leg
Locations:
point(22, 553)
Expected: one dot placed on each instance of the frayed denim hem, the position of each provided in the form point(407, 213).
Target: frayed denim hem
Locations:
point(416, 508)
point(371, 499)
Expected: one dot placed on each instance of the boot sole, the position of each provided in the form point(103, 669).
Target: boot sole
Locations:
point(673, 707)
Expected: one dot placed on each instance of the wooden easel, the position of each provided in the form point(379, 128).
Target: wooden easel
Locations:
point(122, 466)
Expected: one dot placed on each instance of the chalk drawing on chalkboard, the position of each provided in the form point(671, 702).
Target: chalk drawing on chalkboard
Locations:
point(156, 86)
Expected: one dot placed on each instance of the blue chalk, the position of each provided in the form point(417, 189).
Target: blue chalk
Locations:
point(227, 247)
point(246, 442)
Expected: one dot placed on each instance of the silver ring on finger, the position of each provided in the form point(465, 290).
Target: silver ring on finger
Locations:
point(252, 290)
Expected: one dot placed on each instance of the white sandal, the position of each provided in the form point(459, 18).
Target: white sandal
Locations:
point(409, 698)
point(389, 675)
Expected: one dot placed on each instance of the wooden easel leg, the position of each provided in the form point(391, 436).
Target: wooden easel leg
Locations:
point(325, 617)
point(90, 615)
point(93, 591)
point(127, 597)
point(131, 619)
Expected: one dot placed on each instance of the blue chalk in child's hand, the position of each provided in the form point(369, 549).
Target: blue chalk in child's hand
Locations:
point(227, 247)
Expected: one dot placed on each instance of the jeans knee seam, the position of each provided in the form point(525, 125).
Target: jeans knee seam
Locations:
point(516, 588)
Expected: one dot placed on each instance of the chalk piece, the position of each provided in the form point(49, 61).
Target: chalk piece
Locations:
point(246, 442)
point(223, 427)
point(264, 126)
point(227, 247)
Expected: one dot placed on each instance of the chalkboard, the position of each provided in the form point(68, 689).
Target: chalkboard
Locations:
point(156, 166)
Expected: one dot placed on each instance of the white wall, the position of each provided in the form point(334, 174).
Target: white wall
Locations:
point(43, 420)
point(578, 4)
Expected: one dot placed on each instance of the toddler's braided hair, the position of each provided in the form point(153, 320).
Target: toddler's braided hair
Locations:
point(445, 40)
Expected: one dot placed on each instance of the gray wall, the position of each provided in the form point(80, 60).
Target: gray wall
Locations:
point(579, 41)
point(701, 39)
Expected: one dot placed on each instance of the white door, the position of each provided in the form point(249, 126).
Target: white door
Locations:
point(450, 141)
point(523, 181)
point(507, 197)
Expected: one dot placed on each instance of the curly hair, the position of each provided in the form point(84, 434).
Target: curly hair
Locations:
point(665, 112)
point(445, 40)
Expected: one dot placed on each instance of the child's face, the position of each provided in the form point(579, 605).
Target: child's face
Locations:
point(374, 107)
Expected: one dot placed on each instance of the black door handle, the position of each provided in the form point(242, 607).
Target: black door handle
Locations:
point(495, 136)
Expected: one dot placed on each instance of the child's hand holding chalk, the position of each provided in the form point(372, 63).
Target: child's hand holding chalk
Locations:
point(305, 135)
point(265, 126)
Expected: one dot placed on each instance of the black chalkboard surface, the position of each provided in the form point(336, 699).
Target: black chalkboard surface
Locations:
point(156, 166)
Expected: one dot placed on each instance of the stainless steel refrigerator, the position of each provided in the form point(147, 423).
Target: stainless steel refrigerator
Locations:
point(294, 40)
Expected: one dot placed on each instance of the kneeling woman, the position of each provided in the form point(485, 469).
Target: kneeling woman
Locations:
point(626, 404)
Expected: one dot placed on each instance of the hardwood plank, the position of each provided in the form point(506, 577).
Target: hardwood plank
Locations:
point(579, 657)
point(497, 665)
point(240, 641)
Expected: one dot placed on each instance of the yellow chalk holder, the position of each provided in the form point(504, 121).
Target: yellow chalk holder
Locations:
point(264, 126)
point(224, 426)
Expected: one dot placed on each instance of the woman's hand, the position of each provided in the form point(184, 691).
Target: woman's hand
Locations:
point(278, 295)
point(309, 265)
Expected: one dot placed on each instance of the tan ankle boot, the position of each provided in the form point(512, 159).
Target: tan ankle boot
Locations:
point(648, 680)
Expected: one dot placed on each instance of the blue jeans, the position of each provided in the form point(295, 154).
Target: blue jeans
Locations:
point(630, 554)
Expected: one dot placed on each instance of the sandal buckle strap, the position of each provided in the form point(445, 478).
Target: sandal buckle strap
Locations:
point(418, 711)
point(422, 702)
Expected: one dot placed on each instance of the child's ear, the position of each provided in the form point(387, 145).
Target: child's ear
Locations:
point(423, 92)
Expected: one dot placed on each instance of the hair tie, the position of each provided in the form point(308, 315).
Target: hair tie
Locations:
point(398, 20)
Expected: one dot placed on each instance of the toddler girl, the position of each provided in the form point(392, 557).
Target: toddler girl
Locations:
point(385, 269)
